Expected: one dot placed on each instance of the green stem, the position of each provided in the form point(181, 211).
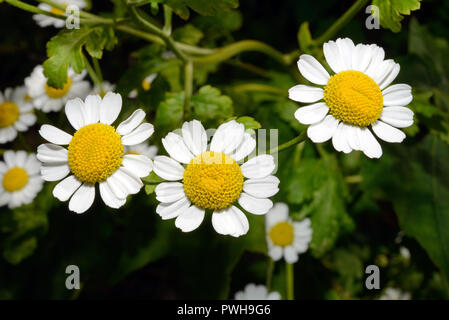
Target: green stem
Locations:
point(98, 72)
point(270, 269)
point(259, 87)
point(289, 281)
point(23, 142)
point(341, 22)
point(300, 138)
point(167, 39)
point(167, 20)
point(354, 179)
point(228, 52)
point(92, 73)
point(188, 87)
point(30, 8)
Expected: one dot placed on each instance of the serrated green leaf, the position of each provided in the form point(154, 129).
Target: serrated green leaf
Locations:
point(305, 40)
point(170, 112)
point(188, 34)
point(249, 122)
point(210, 105)
point(391, 12)
point(203, 7)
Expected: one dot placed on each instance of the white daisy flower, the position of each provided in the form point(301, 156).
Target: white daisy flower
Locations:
point(20, 178)
point(16, 113)
point(286, 238)
point(395, 294)
point(256, 292)
point(95, 153)
point(143, 148)
point(107, 87)
point(46, 21)
point(212, 180)
point(356, 97)
point(47, 98)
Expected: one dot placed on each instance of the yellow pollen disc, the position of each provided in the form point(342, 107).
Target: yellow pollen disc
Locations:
point(9, 113)
point(146, 85)
point(15, 179)
point(213, 180)
point(354, 98)
point(95, 152)
point(282, 234)
point(58, 93)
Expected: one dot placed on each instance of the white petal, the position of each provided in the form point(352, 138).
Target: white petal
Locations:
point(10, 158)
point(139, 165)
point(228, 137)
point(120, 191)
point(53, 172)
point(255, 205)
point(54, 135)
point(258, 167)
point(168, 192)
point(262, 188)
point(168, 169)
point(5, 198)
point(64, 189)
point(128, 180)
point(346, 48)
point(387, 132)
point(384, 69)
point(194, 136)
point(131, 123)
point(28, 118)
point(32, 165)
point(312, 114)
point(279, 213)
point(369, 144)
point(312, 70)
point(52, 153)
point(174, 209)
point(7, 134)
point(275, 253)
point(138, 135)
point(82, 199)
point(361, 57)
point(110, 107)
point(323, 130)
point(21, 157)
point(399, 117)
point(91, 109)
point(190, 219)
point(290, 254)
point(352, 136)
point(231, 221)
point(74, 112)
point(339, 139)
point(176, 148)
point(397, 95)
point(109, 198)
point(333, 56)
point(245, 148)
point(303, 93)
point(391, 76)
point(377, 56)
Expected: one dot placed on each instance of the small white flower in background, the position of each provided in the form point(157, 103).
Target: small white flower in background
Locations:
point(146, 83)
point(20, 178)
point(142, 148)
point(395, 294)
point(358, 96)
point(405, 253)
point(16, 113)
point(107, 87)
point(47, 98)
point(256, 292)
point(212, 179)
point(95, 153)
point(46, 21)
point(286, 238)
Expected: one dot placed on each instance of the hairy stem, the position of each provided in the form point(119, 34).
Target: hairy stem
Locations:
point(300, 138)
point(188, 87)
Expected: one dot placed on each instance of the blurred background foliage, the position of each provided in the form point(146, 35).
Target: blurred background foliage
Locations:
point(363, 211)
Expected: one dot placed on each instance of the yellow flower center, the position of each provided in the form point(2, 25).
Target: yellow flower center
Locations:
point(95, 152)
point(213, 180)
point(282, 234)
point(9, 113)
point(354, 98)
point(146, 85)
point(58, 93)
point(15, 179)
point(57, 11)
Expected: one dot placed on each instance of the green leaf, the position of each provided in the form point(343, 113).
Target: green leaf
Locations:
point(391, 12)
point(317, 185)
point(188, 34)
point(170, 112)
point(203, 7)
point(305, 40)
point(249, 122)
point(419, 191)
point(210, 105)
point(66, 49)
